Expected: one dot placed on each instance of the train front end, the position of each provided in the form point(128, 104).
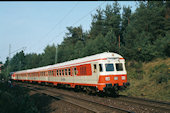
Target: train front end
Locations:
point(12, 76)
point(113, 75)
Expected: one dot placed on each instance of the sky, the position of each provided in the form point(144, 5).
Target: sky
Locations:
point(31, 26)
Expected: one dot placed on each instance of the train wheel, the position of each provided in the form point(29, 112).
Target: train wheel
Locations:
point(101, 94)
point(115, 94)
point(88, 90)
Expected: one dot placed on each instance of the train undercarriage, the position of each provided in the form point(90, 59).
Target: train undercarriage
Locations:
point(111, 90)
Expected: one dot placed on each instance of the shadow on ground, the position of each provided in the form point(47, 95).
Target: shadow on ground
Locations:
point(18, 99)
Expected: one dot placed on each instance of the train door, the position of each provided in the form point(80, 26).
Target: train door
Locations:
point(63, 79)
point(74, 73)
point(95, 73)
point(46, 76)
point(70, 75)
point(49, 76)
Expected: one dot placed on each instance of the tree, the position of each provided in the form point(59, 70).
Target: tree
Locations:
point(111, 43)
point(146, 26)
point(125, 21)
point(167, 16)
point(113, 19)
point(48, 57)
point(74, 34)
point(144, 35)
point(97, 25)
point(162, 46)
point(78, 49)
point(32, 60)
point(17, 62)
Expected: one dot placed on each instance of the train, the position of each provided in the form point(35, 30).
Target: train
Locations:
point(103, 72)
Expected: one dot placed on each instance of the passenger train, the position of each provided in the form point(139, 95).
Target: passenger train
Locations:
point(104, 72)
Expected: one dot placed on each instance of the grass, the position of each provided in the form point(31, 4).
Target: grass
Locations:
point(149, 80)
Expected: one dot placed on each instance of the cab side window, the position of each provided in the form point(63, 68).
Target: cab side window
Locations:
point(95, 68)
point(101, 67)
point(119, 66)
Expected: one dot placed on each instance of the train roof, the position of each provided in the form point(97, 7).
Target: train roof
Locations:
point(73, 62)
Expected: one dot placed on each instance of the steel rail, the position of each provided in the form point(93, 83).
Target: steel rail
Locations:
point(65, 98)
point(147, 103)
point(146, 100)
point(60, 98)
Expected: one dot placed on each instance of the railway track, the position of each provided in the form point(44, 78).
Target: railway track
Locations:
point(91, 106)
point(163, 106)
point(94, 106)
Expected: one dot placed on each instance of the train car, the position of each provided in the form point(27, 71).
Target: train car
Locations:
point(103, 72)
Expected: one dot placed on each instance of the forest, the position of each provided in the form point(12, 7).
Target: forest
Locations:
point(141, 36)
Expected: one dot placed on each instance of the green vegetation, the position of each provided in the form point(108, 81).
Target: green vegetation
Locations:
point(140, 36)
point(15, 100)
point(149, 80)
point(143, 36)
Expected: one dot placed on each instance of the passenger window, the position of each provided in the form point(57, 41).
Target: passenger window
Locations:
point(66, 72)
point(69, 73)
point(57, 72)
point(95, 68)
point(62, 72)
point(101, 67)
point(52, 73)
point(109, 67)
point(75, 71)
point(119, 67)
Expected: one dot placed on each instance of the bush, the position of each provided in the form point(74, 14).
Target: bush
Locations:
point(160, 73)
point(135, 70)
point(161, 79)
point(15, 100)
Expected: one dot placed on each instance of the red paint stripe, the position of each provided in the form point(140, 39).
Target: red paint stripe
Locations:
point(60, 82)
point(84, 62)
point(121, 58)
point(66, 65)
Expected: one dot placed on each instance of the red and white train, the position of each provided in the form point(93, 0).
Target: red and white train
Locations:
point(101, 72)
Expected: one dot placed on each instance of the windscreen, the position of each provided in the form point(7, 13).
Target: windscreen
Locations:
point(109, 67)
point(119, 66)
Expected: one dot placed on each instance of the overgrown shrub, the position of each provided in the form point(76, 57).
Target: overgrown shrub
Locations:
point(160, 73)
point(135, 70)
point(15, 100)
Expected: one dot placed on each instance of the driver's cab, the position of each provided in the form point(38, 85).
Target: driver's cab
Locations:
point(112, 66)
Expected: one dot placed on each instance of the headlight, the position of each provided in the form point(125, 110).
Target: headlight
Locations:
point(107, 78)
point(115, 78)
point(123, 77)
